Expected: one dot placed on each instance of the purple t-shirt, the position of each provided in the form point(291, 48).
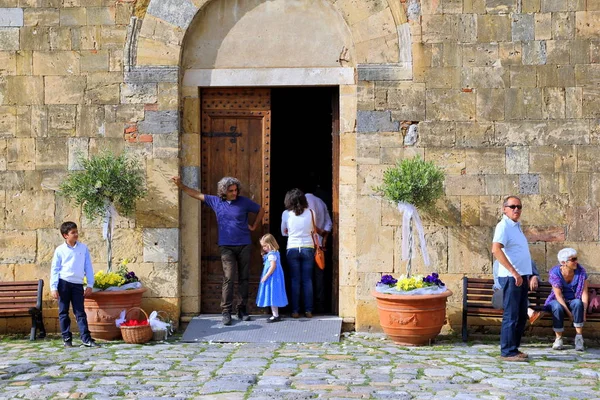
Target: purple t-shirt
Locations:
point(232, 219)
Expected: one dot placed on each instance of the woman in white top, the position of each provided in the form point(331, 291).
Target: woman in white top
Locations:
point(296, 224)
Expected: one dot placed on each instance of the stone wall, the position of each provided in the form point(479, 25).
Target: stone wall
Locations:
point(505, 98)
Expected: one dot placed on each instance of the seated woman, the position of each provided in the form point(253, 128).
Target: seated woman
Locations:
point(569, 296)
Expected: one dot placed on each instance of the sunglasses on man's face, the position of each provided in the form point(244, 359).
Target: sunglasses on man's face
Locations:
point(513, 206)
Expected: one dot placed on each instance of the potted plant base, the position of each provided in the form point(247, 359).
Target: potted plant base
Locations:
point(103, 308)
point(412, 320)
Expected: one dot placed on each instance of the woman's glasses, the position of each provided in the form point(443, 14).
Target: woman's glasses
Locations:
point(573, 259)
point(513, 206)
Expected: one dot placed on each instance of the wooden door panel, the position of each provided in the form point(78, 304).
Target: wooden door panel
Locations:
point(235, 136)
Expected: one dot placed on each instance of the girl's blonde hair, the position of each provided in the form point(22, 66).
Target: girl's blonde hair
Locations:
point(270, 240)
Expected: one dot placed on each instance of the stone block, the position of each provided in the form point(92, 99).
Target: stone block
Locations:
point(553, 105)
point(90, 121)
point(484, 160)
point(94, 61)
point(464, 185)
point(51, 153)
point(548, 210)
point(544, 233)
point(73, 16)
point(467, 253)
point(587, 75)
point(152, 75)
point(470, 209)
point(499, 185)
point(587, 159)
point(9, 39)
point(85, 37)
point(522, 133)
point(407, 102)
point(17, 246)
point(590, 105)
point(555, 76)
point(2, 168)
point(156, 53)
point(595, 190)
point(365, 96)
point(529, 184)
point(493, 28)
point(480, 54)
point(452, 161)
point(132, 93)
point(442, 78)
point(384, 72)
point(490, 104)
point(522, 76)
point(440, 28)
point(511, 53)
point(517, 160)
point(554, 5)
point(558, 51)
point(8, 121)
point(490, 210)
point(534, 52)
point(190, 176)
point(29, 209)
point(530, 6)
point(48, 241)
point(191, 115)
point(159, 122)
point(450, 105)
point(588, 24)
point(115, 60)
point(563, 25)
point(542, 159)
point(60, 38)
point(64, 89)
point(580, 51)
point(77, 149)
point(474, 134)
point(168, 96)
point(161, 245)
point(39, 16)
point(543, 26)
point(8, 63)
point(113, 37)
point(39, 121)
point(383, 50)
point(11, 17)
point(178, 13)
point(582, 224)
point(20, 155)
point(523, 27)
point(165, 146)
point(160, 207)
point(101, 15)
point(190, 149)
point(56, 63)
point(129, 112)
point(62, 120)
point(467, 28)
point(376, 121)
point(577, 186)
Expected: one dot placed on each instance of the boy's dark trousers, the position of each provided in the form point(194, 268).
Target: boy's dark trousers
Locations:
point(72, 293)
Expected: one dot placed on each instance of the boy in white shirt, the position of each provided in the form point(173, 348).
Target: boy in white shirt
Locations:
point(71, 262)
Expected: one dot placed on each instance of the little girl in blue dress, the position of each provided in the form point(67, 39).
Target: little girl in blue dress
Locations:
point(271, 291)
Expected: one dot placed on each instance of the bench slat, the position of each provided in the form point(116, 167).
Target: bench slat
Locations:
point(19, 294)
point(19, 283)
point(20, 301)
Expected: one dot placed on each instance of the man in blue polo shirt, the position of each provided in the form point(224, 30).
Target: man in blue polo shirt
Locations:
point(511, 249)
point(235, 242)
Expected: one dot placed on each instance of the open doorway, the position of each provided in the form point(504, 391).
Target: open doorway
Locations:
point(302, 157)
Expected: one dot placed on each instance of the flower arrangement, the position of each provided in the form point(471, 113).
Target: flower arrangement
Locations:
point(122, 279)
point(415, 284)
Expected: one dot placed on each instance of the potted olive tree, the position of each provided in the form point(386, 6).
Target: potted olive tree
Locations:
point(412, 308)
point(106, 185)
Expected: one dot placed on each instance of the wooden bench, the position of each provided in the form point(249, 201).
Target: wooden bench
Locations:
point(24, 298)
point(477, 301)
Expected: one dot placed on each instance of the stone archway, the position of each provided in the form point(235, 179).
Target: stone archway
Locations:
point(379, 46)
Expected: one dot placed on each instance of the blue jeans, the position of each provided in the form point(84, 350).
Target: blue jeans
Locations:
point(514, 317)
point(558, 314)
point(301, 261)
point(72, 293)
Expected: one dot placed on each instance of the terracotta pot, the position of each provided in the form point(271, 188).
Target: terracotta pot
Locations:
point(412, 320)
point(103, 308)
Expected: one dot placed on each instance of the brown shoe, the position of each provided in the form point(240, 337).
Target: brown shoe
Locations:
point(308, 314)
point(295, 315)
point(515, 358)
point(522, 355)
point(535, 317)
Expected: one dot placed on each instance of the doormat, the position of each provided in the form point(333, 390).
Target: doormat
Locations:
point(318, 329)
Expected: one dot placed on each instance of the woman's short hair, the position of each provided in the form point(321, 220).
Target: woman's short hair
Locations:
point(295, 201)
point(224, 184)
point(566, 253)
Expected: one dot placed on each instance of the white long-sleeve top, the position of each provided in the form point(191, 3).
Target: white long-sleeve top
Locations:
point(297, 228)
point(71, 264)
point(322, 218)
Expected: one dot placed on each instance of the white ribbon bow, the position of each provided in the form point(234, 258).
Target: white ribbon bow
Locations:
point(109, 217)
point(409, 212)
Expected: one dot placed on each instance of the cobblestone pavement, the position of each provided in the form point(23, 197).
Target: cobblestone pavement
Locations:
point(361, 366)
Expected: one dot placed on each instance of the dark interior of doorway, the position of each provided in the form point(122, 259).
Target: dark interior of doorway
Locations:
point(301, 157)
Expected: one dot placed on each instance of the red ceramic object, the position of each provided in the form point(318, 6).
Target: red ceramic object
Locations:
point(412, 320)
point(103, 308)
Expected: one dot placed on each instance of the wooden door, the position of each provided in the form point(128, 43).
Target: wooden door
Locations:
point(235, 142)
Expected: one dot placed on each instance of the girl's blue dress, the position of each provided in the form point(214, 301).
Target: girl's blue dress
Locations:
point(272, 291)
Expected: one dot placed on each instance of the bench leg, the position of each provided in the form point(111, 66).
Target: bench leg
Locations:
point(40, 326)
point(33, 327)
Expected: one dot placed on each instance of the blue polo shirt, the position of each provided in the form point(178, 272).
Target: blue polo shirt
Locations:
point(232, 219)
point(509, 234)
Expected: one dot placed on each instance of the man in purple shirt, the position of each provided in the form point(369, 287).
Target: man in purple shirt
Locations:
point(235, 242)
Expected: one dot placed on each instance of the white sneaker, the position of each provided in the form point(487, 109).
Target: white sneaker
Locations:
point(558, 344)
point(579, 343)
